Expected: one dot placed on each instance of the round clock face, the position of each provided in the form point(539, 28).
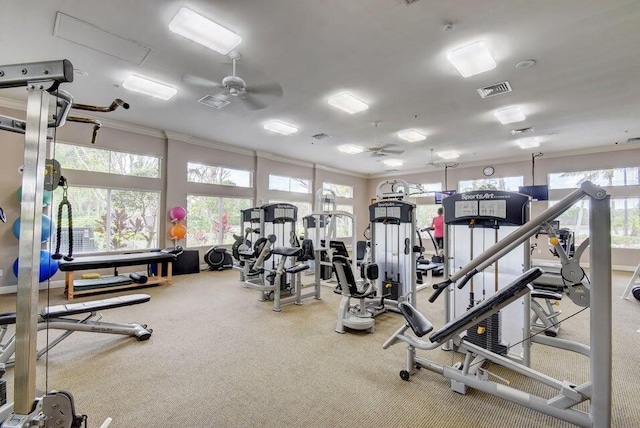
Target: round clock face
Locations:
point(488, 170)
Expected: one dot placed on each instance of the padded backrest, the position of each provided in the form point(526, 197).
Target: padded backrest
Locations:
point(344, 274)
point(339, 248)
point(361, 250)
point(307, 250)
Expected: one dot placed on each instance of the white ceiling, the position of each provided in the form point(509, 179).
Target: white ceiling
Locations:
point(582, 93)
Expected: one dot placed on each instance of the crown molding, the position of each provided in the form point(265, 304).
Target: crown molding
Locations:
point(279, 158)
point(221, 146)
point(170, 135)
point(339, 171)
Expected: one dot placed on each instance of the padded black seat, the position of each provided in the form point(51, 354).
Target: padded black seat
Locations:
point(115, 260)
point(297, 268)
point(8, 318)
point(92, 306)
point(344, 264)
point(287, 251)
point(502, 298)
point(418, 323)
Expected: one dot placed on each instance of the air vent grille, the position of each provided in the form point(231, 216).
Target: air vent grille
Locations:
point(211, 101)
point(522, 131)
point(633, 140)
point(495, 89)
point(409, 2)
point(321, 136)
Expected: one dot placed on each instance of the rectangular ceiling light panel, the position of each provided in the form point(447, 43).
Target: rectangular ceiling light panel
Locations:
point(471, 60)
point(280, 127)
point(510, 115)
point(448, 154)
point(411, 135)
point(201, 30)
point(351, 149)
point(88, 35)
point(529, 143)
point(393, 162)
point(348, 103)
point(149, 87)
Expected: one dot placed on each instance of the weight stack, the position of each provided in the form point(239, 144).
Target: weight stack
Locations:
point(3, 392)
point(487, 334)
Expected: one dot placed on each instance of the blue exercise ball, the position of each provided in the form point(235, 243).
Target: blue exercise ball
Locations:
point(45, 234)
point(48, 266)
point(47, 196)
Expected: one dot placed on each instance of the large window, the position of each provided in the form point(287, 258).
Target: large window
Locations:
point(213, 220)
point(85, 158)
point(341, 191)
point(509, 184)
point(601, 177)
point(344, 225)
point(289, 184)
point(111, 220)
point(201, 173)
point(625, 221)
point(431, 187)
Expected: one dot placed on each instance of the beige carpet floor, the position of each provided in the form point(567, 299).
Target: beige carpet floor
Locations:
point(220, 358)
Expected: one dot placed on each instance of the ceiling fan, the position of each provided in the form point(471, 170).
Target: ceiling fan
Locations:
point(436, 164)
point(234, 87)
point(379, 149)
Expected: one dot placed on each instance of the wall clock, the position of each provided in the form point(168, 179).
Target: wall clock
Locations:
point(488, 171)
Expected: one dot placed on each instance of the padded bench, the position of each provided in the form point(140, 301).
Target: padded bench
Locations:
point(112, 261)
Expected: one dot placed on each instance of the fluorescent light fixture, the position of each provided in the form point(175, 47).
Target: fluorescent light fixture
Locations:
point(393, 162)
point(471, 60)
point(510, 115)
point(352, 149)
point(411, 135)
point(528, 143)
point(196, 27)
point(348, 103)
point(448, 154)
point(148, 87)
point(280, 127)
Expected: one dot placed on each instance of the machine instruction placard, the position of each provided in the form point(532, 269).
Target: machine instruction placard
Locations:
point(494, 208)
point(466, 208)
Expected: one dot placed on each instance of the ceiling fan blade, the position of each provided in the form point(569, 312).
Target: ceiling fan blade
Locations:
point(393, 152)
point(265, 89)
point(200, 81)
point(252, 102)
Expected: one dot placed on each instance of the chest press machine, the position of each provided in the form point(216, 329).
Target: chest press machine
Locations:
point(470, 373)
point(54, 408)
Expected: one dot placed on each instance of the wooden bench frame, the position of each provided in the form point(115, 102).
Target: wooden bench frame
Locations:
point(112, 261)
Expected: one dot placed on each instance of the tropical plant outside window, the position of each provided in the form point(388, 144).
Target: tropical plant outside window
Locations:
point(341, 190)
point(509, 184)
point(289, 184)
point(208, 174)
point(213, 220)
point(344, 225)
point(602, 177)
point(85, 158)
point(111, 220)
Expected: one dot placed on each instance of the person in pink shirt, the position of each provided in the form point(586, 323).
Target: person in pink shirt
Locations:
point(437, 225)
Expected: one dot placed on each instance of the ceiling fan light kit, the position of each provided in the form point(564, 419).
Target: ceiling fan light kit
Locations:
point(149, 87)
point(448, 154)
point(203, 31)
point(348, 103)
point(472, 59)
point(528, 143)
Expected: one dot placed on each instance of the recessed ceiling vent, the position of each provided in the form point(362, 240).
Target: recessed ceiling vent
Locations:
point(321, 136)
point(633, 140)
point(211, 101)
point(495, 89)
point(522, 131)
point(409, 2)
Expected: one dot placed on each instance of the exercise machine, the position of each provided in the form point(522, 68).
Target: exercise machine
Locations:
point(55, 408)
point(392, 221)
point(361, 315)
point(471, 373)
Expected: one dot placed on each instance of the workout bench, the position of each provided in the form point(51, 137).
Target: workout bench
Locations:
point(58, 318)
point(114, 261)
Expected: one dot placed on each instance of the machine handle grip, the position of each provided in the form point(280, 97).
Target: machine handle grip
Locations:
point(466, 278)
point(439, 287)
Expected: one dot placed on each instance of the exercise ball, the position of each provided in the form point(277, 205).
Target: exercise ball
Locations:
point(177, 213)
point(48, 266)
point(47, 195)
point(45, 234)
point(178, 231)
